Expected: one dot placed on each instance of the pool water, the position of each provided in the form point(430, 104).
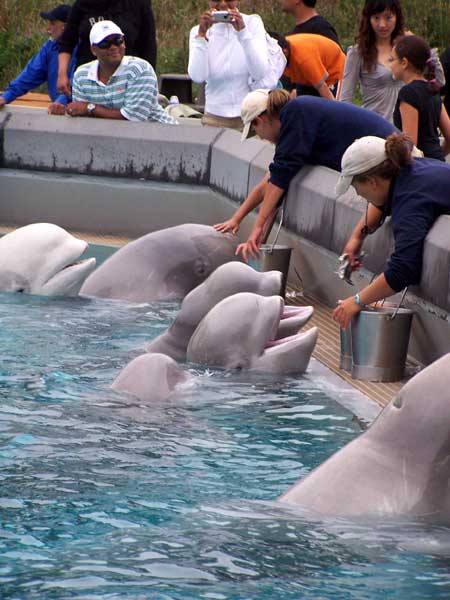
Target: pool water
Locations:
point(103, 498)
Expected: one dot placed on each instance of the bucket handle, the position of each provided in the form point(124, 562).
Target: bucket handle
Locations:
point(280, 224)
point(397, 308)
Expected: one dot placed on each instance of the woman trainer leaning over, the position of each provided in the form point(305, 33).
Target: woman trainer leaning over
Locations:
point(305, 131)
point(413, 191)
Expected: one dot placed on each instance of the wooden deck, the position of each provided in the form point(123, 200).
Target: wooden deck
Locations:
point(33, 99)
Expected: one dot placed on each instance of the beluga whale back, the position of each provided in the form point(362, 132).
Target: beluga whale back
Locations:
point(162, 265)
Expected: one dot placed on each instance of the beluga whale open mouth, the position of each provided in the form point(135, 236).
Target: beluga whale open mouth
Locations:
point(241, 332)
point(43, 259)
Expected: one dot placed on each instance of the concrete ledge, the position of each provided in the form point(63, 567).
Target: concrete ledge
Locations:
point(230, 163)
point(179, 154)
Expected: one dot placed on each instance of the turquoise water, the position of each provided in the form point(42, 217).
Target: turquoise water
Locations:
point(103, 498)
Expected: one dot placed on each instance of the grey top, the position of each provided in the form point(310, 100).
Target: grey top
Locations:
point(379, 89)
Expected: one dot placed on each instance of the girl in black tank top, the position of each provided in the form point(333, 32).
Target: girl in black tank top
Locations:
point(419, 111)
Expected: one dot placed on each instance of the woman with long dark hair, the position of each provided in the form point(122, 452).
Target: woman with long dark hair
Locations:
point(367, 62)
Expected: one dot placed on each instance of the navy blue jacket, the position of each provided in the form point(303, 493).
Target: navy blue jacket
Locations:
point(42, 68)
point(418, 196)
point(317, 131)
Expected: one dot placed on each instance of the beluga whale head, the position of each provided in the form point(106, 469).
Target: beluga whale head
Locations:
point(43, 259)
point(240, 332)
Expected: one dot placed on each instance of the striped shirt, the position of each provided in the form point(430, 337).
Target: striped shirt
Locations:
point(132, 88)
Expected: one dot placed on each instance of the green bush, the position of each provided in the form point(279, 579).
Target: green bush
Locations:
point(22, 31)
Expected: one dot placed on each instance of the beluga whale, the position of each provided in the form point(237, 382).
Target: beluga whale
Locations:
point(400, 466)
point(151, 378)
point(227, 280)
point(162, 265)
point(43, 259)
point(240, 332)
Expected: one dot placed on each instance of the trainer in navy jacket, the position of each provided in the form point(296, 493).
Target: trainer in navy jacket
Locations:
point(317, 131)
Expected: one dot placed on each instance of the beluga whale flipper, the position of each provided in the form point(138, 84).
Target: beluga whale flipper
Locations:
point(399, 466)
point(43, 259)
point(162, 265)
point(228, 279)
point(240, 333)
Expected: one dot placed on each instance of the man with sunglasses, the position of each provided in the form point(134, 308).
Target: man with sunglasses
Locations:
point(115, 86)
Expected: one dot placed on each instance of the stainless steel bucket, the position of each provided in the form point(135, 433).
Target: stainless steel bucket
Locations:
point(276, 258)
point(346, 358)
point(379, 342)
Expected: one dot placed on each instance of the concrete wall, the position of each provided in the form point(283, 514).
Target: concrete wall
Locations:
point(126, 187)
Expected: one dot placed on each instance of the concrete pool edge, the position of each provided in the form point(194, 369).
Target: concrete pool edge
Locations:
point(212, 171)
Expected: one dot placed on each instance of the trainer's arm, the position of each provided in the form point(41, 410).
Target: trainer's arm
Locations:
point(272, 196)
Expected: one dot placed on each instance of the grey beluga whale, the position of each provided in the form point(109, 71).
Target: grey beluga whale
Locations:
point(228, 279)
point(399, 466)
point(162, 265)
point(151, 377)
point(43, 259)
point(240, 333)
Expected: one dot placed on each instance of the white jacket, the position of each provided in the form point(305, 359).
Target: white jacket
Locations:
point(226, 61)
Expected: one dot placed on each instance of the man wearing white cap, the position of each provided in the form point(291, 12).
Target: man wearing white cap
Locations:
point(413, 191)
point(115, 86)
point(306, 130)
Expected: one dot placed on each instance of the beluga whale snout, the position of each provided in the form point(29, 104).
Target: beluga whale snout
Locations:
point(241, 331)
point(43, 259)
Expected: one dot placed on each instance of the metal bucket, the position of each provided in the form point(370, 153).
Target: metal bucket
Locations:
point(379, 342)
point(346, 358)
point(276, 258)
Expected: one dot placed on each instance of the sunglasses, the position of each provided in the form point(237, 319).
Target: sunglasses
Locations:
point(115, 41)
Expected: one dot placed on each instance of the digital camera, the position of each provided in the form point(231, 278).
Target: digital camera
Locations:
point(222, 16)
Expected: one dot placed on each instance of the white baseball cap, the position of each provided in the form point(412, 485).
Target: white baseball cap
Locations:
point(253, 105)
point(361, 156)
point(102, 30)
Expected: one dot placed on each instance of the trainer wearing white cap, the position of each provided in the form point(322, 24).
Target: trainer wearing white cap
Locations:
point(413, 191)
point(306, 130)
point(115, 86)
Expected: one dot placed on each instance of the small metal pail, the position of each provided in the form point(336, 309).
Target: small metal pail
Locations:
point(379, 343)
point(276, 258)
point(346, 357)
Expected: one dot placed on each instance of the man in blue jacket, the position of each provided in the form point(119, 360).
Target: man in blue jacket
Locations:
point(43, 67)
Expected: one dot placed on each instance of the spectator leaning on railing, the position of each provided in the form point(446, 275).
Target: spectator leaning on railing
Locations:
point(115, 86)
point(43, 67)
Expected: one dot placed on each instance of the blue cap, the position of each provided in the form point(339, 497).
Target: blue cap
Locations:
point(59, 13)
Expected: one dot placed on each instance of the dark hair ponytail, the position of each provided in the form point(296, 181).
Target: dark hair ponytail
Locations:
point(418, 53)
point(398, 149)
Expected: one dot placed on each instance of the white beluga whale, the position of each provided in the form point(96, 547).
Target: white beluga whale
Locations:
point(43, 259)
point(240, 333)
point(151, 378)
point(162, 265)
point(228, 279)
point(399, 466)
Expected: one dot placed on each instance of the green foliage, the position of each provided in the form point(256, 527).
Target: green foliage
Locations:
point(22, 30)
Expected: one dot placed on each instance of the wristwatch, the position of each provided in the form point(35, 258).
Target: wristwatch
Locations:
point(90, 109)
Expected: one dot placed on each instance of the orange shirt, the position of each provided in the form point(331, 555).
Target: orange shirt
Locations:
point(314, 59)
